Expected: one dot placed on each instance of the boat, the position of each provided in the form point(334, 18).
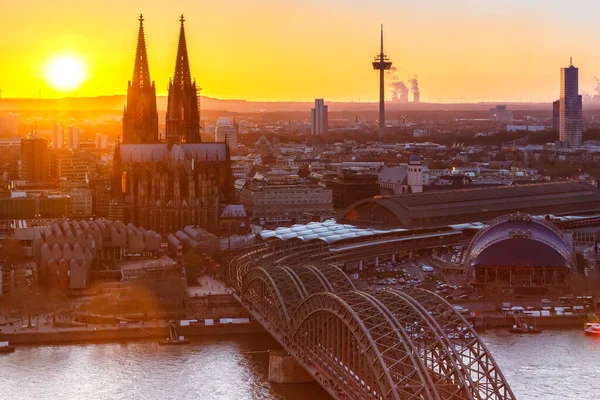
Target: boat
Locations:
point(527, 330)
point(5, 347)
point(592, 329)
point(168, 342)
point(520, 326)
point(173, 339)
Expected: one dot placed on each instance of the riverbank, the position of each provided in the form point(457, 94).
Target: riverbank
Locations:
point(131, 332)
point(554, 322)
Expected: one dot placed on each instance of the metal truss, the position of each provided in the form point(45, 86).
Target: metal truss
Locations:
point(386, 344)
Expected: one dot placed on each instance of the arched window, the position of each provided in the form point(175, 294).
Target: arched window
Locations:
point(124, 182)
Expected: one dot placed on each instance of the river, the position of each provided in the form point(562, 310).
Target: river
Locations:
point(552, 365)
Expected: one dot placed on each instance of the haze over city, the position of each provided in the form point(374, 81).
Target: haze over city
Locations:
point(268, 50)
point(291, 200)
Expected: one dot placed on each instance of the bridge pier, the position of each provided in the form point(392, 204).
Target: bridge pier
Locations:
point(283, 368)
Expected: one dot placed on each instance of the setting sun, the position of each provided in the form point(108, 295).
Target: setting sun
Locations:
point(65, 72)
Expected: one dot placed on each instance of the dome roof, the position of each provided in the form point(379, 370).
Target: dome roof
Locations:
point(518, 240)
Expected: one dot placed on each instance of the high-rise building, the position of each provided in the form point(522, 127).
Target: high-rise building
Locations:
point(226, 133)
point(140, 117)
point(101, 141)
point(571, 108)
point(318, 119)
point(34, 160)
point(72, 165)
point(501, 113)
point(556, 115)
point(183, 115)
point(58, 135)
point(73, 137)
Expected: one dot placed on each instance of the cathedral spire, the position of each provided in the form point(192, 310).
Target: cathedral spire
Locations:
point(182, 75)
point(140, 117)
point(141, 71)
point(183, 115)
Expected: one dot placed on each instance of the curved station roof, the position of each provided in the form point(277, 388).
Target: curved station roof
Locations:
point(519, 240)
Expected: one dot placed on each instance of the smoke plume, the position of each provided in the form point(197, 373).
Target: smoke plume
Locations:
point(399, 91)
point(414, 85)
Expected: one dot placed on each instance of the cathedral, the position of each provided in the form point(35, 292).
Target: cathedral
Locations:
point(165, 185)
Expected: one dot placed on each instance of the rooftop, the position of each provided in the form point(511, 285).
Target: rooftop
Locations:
point(477, 204)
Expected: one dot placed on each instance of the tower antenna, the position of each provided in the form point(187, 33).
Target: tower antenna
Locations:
point(381, 64)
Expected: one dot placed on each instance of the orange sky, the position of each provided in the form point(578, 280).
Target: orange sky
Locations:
point(461, 50)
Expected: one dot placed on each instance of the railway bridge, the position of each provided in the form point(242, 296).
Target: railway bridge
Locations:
point(387, 344)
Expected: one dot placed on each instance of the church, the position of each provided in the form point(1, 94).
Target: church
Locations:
point(165, 185)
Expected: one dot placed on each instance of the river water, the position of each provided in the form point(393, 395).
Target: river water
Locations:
point(552, 365)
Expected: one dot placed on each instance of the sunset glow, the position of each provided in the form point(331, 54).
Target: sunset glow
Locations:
point(65, 73)
point(460, 51)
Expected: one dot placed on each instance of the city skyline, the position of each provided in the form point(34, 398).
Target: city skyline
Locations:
point(484, 52)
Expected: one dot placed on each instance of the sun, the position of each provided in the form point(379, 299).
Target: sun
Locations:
point(65, 72)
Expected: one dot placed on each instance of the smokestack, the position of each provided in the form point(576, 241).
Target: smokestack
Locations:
point(414, 83)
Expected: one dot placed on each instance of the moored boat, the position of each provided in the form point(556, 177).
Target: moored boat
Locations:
point(173, 339)
point(178, 341)
point(528, 330)
point(5, 347)
point(592, 329)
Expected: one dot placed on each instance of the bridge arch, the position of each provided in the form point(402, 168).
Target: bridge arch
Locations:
point(471, 351)
point(336, 340)
point(261, 291)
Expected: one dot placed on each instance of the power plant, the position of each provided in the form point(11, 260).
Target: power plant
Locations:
point(382, 63)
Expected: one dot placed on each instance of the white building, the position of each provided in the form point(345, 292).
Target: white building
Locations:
point(318, 118)
point(101, 141)
point(422, 132)
point(73, 137)
point(58, 135)
point(406, 178)
point(226, 132)
point(528, 128)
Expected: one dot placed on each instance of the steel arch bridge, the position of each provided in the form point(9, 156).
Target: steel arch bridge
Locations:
point(386, 344)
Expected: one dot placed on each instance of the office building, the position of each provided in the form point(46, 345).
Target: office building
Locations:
point(318, 118)
point(58, 135)
point(226, 132)
point(273, 203)
point(34, 160)
point(556, 115)
point(101, 141)
point(501, 114)
point(571, 108)
point(73, 137)
point(72, 165)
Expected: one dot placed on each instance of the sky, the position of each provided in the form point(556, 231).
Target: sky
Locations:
point(297, 50)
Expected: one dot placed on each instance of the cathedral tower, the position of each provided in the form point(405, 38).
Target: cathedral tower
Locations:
point(183, 116)
point(140, 118)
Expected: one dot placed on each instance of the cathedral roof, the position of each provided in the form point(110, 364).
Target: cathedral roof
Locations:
point(159, 152)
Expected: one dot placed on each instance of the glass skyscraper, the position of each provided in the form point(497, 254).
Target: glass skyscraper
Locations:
point(571, 109)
